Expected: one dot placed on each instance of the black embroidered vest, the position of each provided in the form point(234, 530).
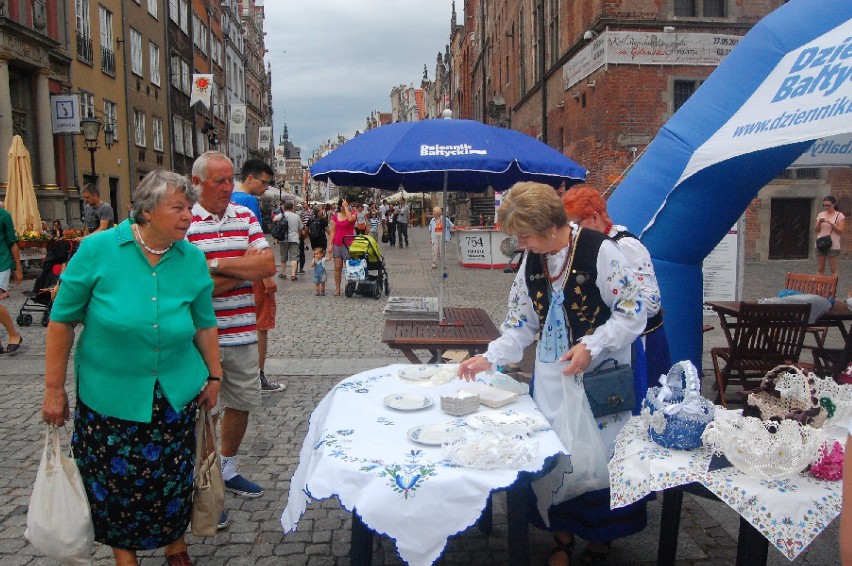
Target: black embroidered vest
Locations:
point(584, 307)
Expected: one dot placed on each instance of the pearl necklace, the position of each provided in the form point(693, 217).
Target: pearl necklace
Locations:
point(144, 245)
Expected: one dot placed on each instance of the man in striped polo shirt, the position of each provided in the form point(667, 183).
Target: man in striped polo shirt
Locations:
point(237, 254)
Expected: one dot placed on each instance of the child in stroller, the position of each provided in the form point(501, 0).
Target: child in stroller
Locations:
point(40, 299)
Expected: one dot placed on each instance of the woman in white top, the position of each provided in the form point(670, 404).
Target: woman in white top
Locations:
point(830, 222)
point(598, 314)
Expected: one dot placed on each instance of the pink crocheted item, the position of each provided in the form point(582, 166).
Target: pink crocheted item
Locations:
point(829, 466)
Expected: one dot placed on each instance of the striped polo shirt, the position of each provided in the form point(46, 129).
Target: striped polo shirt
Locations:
point(229, 236)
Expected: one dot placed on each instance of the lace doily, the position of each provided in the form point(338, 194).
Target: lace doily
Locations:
point(769, 450)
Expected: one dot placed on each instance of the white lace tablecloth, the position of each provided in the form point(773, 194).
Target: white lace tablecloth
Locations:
point(789, 513)
point(358, 450)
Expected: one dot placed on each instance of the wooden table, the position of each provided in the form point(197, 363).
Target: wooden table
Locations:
point(837, 316)
point(468, 329)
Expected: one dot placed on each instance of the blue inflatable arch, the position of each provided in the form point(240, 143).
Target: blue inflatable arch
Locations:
point(788, 83)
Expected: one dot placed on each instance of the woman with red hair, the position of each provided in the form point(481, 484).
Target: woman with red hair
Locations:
point(586, 207)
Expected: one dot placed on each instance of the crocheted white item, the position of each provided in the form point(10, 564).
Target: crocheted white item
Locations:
point(767, 450)
point(840, 395)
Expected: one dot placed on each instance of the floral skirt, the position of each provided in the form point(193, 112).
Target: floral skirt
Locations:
point(138, 476)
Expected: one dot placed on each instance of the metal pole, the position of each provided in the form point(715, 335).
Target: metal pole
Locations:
point(92, 151)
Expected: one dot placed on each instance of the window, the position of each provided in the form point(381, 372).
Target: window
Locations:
point(187, 138)
point(136, 52)
point(553, 31)
point(157, 129)
point(177, 128)
point(87, 104)
point(174, 14)
point(107, 41)
point(154, 52)
point(111, 115)
point(682, 91)
point(84, 31)
point(196, 30)
point(139, 127)
point(184, 16)
point(152, 7)
point(186, 78)
point(175, 71)
point(203, 44)
point(700, 8)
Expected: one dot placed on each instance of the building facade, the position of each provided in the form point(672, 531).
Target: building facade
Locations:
point(258, 110)
point(235, 84)
point(597, 80)
point(35, 62)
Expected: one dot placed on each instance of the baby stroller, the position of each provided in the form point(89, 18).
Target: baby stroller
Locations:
point(39, 299)
point(365, 271)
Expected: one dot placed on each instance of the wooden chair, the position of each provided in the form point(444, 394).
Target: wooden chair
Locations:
point(822, 285)
point(764, 336)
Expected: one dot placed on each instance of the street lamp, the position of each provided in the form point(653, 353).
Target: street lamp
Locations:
point(91, 127)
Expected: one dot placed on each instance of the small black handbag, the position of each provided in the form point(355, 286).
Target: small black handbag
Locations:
point(823, 243)
point(610, 389)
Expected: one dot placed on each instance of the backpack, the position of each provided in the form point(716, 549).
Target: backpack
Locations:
point(315, 229)
point(281, 229)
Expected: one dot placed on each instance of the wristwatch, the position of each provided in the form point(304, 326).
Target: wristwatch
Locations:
point(214, 266)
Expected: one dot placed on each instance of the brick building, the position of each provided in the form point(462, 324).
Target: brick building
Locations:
point(598, 79)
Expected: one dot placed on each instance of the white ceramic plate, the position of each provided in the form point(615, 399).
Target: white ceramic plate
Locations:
point(418, 373)
point(408, 401)
point(435, 434)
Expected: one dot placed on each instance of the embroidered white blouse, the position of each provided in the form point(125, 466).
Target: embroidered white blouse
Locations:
point(640, 258)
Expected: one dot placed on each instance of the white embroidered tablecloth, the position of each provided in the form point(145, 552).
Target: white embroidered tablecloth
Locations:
point(358, 450)
point(789, 513)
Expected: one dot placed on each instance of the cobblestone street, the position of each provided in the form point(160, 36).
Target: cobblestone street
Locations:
point(319, 341)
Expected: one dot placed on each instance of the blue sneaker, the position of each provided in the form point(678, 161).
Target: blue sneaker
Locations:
point(241, 486)
point(223, 521)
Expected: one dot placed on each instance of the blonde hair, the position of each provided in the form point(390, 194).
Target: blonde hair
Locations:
point(531, 209)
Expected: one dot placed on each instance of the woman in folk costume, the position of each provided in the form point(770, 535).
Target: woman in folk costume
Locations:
point(586, 207)
point(602, 313)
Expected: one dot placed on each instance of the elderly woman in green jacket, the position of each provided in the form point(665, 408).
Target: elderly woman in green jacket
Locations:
point(147, 356)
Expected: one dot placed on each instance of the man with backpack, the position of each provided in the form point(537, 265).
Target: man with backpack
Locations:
point(286, 230)
point(318, 229)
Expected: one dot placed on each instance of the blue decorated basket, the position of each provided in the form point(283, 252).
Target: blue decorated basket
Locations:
point(676, 413)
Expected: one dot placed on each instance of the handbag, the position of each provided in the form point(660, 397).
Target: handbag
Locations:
point(385, 237)
point(823, 243)
point(610, 389)
point(59, 522)
point(208, 490)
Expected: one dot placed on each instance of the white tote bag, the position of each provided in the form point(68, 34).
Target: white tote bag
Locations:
point(587, 468)
point(59, 522)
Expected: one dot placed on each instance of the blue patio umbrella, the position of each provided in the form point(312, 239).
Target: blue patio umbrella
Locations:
point(447, 155)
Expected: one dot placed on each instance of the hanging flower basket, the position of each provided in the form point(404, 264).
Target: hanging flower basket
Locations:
point(32, 244)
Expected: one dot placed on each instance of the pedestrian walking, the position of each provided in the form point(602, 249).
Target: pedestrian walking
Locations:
point(137, 388)
point(289, 248)
point(342, 225)
point(257, 175)
point(237, 252)
point(10, 266)
point(402, 218)
point(391, 226)
point(320, 275)
point(438, 226)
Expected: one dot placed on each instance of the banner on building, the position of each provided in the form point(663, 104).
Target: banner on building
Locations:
point(264, 137)
point(647, 48)
point(280, 162)
point(65, 113)
point(238, 119)
point(202, 86)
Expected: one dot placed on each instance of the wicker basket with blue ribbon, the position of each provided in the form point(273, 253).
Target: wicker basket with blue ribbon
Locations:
point(675, 412)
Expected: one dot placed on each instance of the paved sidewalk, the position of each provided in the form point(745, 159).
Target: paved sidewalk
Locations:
point(319, 341)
